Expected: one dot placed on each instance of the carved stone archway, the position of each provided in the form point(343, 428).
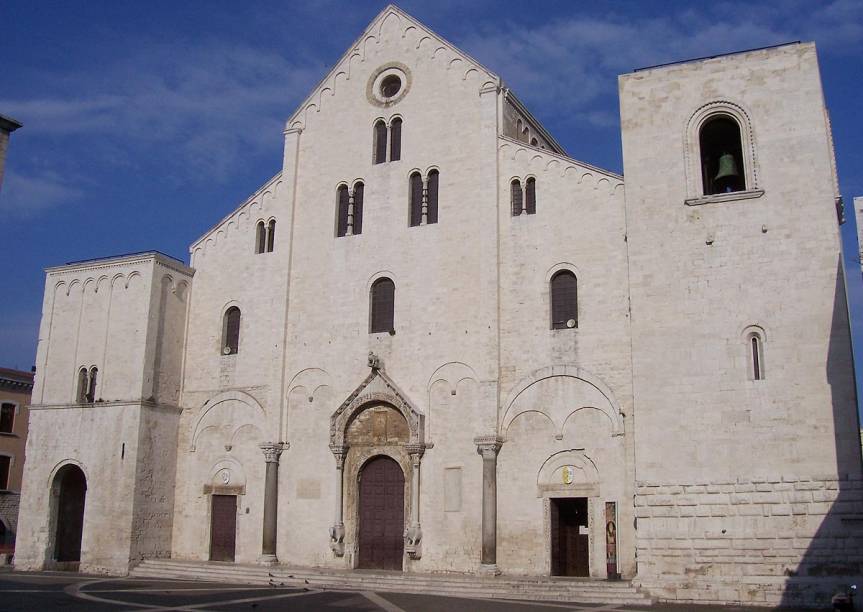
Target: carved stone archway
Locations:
point(378, 389)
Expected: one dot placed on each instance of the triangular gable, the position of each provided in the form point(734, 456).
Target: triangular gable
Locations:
point(357, 52)
point(377, 387)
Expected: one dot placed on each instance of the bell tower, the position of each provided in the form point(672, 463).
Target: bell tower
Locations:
point(742, 371)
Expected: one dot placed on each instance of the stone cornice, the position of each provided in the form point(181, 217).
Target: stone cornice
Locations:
point(110, 404)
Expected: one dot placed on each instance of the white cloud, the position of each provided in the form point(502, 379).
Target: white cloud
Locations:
point(27, 196)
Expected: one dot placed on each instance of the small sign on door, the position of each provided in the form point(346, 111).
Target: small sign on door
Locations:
point(582, 530)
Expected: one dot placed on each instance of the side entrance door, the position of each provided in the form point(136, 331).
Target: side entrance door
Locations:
point(381, 515)
point(570, 551)
point(223, 528)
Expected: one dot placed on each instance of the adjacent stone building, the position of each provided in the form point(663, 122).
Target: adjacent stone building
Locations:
point(433, 342)
point(15, 388)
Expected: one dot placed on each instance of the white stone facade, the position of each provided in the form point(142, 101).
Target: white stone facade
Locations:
point(726, 488)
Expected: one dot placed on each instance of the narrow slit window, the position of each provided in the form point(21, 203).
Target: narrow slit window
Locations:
point(432, 195)
point(757, 357)
point(261, 239)
point(564, 300)
point(530, 196)
point(231, 331)
point(359, 189)
point(396, 139)
point(722, 168)
point(382, 304)
point(380, 138)
point(342, 201)
point(416, 199)
point(516, 197)
point(271, 235)
point(91, 384)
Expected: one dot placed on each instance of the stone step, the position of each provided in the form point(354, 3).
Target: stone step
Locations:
point(533, 588)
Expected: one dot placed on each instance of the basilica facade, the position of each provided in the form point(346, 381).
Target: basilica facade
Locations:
point(433, 342)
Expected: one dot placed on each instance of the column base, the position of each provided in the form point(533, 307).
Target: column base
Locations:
point(268, 560)
point(489, 569)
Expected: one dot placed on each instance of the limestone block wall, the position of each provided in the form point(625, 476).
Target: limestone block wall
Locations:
point(750, 540)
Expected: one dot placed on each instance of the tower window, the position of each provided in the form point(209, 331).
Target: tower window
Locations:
point(81, 394)
point(91, 384)
point(382, 301)
point(516, 197)
point(530, 196)
point(231, 331)
point(564, 300)
point(722, 168)
point(260, 237)
point(271, 235)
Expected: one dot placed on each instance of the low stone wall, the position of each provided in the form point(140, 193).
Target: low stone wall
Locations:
point(760, 541)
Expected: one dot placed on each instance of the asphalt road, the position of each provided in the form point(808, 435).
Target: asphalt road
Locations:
point(35, 592)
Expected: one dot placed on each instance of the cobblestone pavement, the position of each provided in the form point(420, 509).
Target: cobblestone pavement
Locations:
point(20, 592)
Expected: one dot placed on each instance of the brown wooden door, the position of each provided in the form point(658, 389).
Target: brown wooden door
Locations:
point(570, 551)
point(223, 528)
point(381, 515)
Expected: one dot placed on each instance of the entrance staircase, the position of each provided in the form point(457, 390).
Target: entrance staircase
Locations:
point(533, 588)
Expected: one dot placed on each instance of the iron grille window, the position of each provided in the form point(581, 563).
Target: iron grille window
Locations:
point(396, 139)
point(515, 190)
point(564, 300)
point(231, 343)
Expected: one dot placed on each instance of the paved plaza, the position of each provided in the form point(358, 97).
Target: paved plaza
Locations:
point(21, 591)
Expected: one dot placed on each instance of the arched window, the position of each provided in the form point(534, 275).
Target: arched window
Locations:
point(530, 196)
point(518, 125)
point(260, 238)
point(432, 191)
point(722, 168)
point(534, 142)
point(91, 385)
point(382, 302)
point(396, 139)
point(380, 139)
point(83, 386)
point(564, 300)
point(515, 196)
point(231, 331)
point(342, 203)
point(271, 235)
point(359, 188)
point(416, 199)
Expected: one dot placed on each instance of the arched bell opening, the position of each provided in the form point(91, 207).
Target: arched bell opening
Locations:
point(721, 156)
point(69, 492)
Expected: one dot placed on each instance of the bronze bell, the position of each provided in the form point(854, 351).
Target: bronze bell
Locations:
point(727, 167)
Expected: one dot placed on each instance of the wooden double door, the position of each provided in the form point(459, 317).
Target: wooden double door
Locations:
point(570, 549)
point(381, 514)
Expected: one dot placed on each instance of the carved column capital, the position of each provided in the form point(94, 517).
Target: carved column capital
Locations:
point(339, 451)
point(416, 451)
point(488, 446)
point(272, 450)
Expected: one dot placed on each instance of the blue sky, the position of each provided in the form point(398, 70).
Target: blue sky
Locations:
point(146, 122)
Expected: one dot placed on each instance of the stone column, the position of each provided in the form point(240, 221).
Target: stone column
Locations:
point(488, 447)
point(337, 531)
point(414, 533)
point(272, 451)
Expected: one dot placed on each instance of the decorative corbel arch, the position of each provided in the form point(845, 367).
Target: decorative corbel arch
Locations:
point(239, 396)
point(611, 408)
